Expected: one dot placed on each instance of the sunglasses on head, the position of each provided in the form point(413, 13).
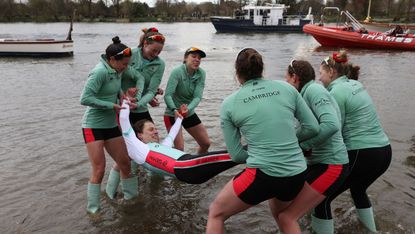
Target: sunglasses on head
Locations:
point(124, 53)
point(158, 38)
point(152, 30)
point(326, 61)
point(147, 30)
point(191, 49)
point(292, 66)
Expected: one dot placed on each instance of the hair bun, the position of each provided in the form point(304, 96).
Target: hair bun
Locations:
point(116, 40)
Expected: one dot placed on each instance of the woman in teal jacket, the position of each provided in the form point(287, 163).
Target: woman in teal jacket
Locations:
point(327, 161)
point(367, 145)
point(185, 90)
point(143, 78)
point(99, 125)
point(146, 62)
point(264, 112)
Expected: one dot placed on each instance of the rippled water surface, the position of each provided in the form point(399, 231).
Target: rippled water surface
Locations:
point(45, 168)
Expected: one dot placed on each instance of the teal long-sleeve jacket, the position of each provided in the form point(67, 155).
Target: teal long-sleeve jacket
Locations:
point(361, 127)
point(100, 92)
point(327, 146)
point(184, 89)
point(264, 113)
point(146, 81)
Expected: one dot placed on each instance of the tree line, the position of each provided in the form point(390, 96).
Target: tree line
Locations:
point(175, 10)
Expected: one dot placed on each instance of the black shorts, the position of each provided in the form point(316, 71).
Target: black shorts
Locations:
point(188, 122)
point(327, 178)
point(135, 117)
point(253, 186)
point(97, 134)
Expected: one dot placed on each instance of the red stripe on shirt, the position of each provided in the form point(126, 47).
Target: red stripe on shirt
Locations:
point(203, 160)
point(322, 183)
point(160, 161)
point(243, 181)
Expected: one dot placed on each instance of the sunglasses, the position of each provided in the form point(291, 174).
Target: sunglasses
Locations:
point(192, 49)
point(292, 66)
point(124, 53)
point(158, 38)
point(326, 61)
point(152, 30)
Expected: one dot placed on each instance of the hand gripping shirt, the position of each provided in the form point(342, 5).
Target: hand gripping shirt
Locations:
point(151, 71)
point(263, 111)
point(361, 127)
point(99, 95)
point(328, 146)
point(184, 89)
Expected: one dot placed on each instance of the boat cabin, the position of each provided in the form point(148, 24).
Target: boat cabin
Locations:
point(270, 14)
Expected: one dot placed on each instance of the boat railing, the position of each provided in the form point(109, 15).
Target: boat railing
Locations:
point(330, 8)
point(356, 24)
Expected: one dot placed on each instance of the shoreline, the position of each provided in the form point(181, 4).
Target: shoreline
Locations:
point(113, 20)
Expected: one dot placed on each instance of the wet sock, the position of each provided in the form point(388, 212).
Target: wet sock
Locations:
point(130, 187)
point(112, 183)
point(94, 197)
point(366, 217)
point(322, 226)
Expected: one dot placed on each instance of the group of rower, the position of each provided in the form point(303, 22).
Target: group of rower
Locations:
point(306, 142)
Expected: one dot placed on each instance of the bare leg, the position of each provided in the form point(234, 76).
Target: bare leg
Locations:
point(200, 134)
point(224, 206)
point(277, 206)
point(118, 151)
point(96, 156)
point(305, 200)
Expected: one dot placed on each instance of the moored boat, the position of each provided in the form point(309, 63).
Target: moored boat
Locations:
point(267, 18)
point(37, 47)
point(355, 35)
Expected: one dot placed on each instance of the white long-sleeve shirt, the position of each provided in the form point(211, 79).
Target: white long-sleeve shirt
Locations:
point(138, 150)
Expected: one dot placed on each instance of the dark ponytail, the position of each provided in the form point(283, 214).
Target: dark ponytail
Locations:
point(353, 72)
point(303, 70)
point(115, 48)
point(249, 64)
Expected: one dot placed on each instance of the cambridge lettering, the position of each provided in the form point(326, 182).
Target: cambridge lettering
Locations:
point(262, 95)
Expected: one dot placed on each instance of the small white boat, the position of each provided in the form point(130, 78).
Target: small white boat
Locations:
point(37, 47)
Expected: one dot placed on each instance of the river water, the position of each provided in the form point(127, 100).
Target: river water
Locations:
point(44, 168)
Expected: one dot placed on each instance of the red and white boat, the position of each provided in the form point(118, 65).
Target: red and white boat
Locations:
point(342, 36)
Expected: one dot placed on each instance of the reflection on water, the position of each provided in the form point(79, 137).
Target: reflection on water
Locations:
point(410, 160)
point(44, 165)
